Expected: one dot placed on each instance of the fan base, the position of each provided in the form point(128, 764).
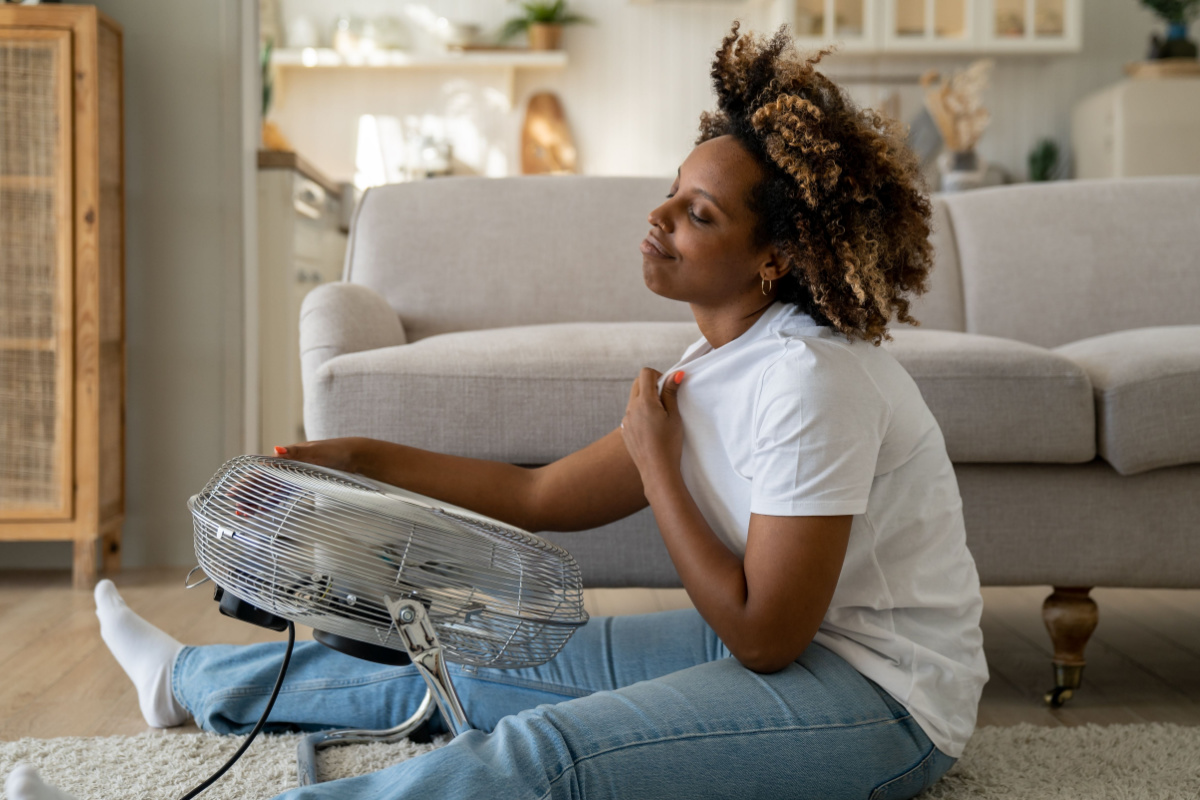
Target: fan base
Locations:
point(237, 608)
point(367, 652)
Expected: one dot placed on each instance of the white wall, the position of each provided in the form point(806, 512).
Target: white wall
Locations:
point(638, 80)
point(185, 166)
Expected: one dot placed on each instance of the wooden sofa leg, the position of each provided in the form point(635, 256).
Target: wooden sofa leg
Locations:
point(1070, 617)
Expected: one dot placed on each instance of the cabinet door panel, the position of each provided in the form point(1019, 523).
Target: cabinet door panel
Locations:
point(909, 20)
point(929, 26)
point(1045, 26)
point(850, 18)
point(1009, 19)
point(1050, 18)
point(809, 19)
point(36, 275)
point(818, 23)
point(950, 20)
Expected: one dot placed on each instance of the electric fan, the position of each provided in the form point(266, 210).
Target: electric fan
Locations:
point(382, 574)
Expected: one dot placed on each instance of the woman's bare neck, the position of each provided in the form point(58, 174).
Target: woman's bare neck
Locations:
point(723, 324)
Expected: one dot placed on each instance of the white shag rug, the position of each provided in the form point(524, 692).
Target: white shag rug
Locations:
point(1024, 762)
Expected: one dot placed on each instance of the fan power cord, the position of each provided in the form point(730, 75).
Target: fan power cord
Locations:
point(287, 657)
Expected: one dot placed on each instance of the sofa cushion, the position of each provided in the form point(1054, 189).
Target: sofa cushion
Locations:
point(535, 393)
point(998, 400)
point(527, 395)
point(1147, 388)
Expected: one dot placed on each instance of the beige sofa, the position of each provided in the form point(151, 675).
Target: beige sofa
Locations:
point(1059, 352)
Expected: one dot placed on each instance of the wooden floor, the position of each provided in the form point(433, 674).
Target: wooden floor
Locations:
point(58, 679)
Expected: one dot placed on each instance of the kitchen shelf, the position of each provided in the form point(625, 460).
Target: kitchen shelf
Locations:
point(288, 61)
point(324, 57)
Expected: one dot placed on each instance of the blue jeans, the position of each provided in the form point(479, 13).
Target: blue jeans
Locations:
point(643, 707)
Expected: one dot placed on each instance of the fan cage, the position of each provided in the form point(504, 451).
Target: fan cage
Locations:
point(323, 548)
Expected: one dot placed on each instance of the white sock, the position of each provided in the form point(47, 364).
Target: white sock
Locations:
point(24, 783)
point(144, 652)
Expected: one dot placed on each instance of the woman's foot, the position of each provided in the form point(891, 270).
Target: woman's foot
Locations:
point(145, 653)
point(24, 783)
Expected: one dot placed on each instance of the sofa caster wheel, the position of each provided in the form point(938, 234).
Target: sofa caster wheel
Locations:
point(1058, 695)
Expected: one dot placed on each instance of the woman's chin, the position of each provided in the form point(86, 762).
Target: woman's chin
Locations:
point(654, 279)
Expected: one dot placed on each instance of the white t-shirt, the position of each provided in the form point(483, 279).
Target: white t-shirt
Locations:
point(795, 419)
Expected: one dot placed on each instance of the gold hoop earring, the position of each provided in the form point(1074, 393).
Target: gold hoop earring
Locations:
point(766, 286)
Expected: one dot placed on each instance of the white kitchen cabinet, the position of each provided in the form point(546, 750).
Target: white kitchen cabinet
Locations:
point(1143, 126)
point(851, 22)
point(300, 246)
point(927, 27)
point(1032, 26)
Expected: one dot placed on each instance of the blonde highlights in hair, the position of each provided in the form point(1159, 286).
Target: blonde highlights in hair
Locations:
point(843, 195)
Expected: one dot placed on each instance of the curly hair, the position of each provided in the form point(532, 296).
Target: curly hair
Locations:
point(843, 195)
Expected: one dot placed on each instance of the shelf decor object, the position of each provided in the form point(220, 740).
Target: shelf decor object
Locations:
point(1043, 160)
point(542, 22)
point(956, 107)
point(546, 144)
point(62, 278)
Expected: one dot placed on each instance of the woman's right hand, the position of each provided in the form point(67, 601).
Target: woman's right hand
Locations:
point(254, 495)
point(344, 454)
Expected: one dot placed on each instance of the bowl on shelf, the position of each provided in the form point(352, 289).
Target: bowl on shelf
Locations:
point(457, 34)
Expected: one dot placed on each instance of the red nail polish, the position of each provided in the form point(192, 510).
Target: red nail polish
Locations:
point(280, 451)
point(679, 377)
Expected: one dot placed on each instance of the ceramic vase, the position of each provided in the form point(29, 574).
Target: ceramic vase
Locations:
point(961, 170)
point(1176, 45)
point(544, 36)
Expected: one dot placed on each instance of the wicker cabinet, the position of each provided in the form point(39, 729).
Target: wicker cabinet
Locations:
point(62, 326)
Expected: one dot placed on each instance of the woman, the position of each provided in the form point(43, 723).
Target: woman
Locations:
point(799, 482)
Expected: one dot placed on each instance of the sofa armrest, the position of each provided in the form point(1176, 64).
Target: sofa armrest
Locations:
point(339, 318)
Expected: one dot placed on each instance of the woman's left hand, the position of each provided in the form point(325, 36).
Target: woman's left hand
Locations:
point(651, 427)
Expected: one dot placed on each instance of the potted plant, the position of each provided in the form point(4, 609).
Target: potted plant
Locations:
point(542, 22)
point(272, 138)
point(1177, 14)
point(1043, 160)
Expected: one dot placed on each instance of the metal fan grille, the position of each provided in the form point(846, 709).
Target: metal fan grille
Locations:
point(323, 548)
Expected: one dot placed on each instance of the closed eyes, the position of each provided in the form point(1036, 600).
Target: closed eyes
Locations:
point(692, 213)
